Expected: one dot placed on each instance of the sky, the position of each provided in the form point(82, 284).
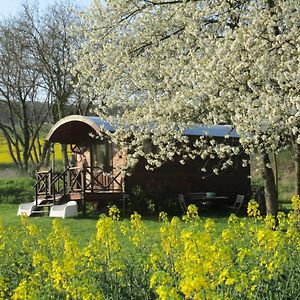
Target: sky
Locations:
point(12, 7)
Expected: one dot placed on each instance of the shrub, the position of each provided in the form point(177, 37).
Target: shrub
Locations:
point(138, 201)
point(145, 204)
point(15, 191)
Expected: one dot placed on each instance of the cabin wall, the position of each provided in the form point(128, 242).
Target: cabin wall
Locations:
point(173, 178)
point(118, 157)
point(87, 159)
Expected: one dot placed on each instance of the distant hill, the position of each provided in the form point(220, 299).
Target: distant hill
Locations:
point(5, 115)
point(4, 111)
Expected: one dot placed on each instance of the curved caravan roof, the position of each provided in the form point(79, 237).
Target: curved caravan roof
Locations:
point(76, 129)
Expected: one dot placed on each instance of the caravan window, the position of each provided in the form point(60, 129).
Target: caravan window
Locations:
point(102, 155)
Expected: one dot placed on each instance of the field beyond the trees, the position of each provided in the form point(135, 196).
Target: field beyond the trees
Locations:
point(6, 159)
point(174, 258)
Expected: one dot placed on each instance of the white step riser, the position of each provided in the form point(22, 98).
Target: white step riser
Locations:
point(39, 212)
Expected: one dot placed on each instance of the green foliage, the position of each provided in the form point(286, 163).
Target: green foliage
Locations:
point(17, 190)
point(138, 201)
point(144, 203)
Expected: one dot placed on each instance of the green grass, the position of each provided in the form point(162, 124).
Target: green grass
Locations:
point(83, 228)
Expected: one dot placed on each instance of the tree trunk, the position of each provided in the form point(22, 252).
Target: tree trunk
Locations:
point(26, 137)
point(275, 162)
point(44, 159)
point(271, 195)
point(297, 169)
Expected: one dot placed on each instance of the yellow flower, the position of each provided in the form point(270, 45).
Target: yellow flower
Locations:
point(3, 287)
point(32, 230)
point(163, 217)
point(22, 291)
point(232, 219)
point(191, 214)
point(253, 209)
point(136, 221)
point(114, 213)
point(193, 285)
point(270, 222)
point(210, 225)
point(296, 203)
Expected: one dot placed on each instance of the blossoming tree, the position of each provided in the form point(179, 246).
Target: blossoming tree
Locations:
point(159, 66)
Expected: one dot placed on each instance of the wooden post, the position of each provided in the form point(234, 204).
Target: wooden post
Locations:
point(83, 187)
point(53, 157)
point(124, 195)
point(36, 194)
point(48, 185)
point(64, 183)
point(124, 205)
point(92, 164)
point(64, 155)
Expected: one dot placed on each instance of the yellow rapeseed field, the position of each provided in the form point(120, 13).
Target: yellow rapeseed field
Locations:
point(5, 157)
point(252, 258)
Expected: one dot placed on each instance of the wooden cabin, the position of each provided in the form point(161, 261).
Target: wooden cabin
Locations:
point(94, 170)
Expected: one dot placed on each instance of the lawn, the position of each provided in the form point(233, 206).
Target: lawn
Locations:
point(83, 228)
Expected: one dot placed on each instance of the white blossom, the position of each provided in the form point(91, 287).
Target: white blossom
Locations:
point(156, 70)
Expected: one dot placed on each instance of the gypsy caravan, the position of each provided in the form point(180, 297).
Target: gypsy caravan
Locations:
point(94, 170)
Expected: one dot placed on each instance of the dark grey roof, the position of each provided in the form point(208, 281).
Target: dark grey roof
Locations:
point(214, 130)
point(100, 123)
point(76, 129)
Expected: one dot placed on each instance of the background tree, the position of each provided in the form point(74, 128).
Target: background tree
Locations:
point(37, 57)
point(19, 92)
point(51, 43)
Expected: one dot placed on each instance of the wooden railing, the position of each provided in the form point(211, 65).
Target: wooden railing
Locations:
point(59, 184)
point(77, 180)
point(98, 180)
point(43, 184)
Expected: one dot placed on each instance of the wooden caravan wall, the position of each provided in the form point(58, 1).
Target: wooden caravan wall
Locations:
point(174, 178)
point(88, 157)
point(103, 163)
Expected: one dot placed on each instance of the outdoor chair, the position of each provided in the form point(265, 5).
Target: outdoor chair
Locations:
point(237, 204)
point(182, 203)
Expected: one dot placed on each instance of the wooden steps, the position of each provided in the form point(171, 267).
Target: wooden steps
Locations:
point(75, 196)
point(37, 212)
point(45, 203)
